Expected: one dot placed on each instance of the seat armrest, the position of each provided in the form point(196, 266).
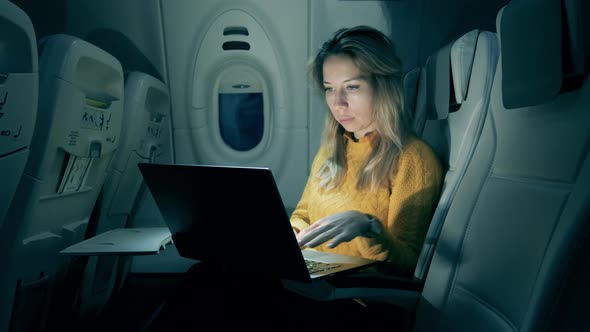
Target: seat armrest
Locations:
point(377, 280)
point(370, 286)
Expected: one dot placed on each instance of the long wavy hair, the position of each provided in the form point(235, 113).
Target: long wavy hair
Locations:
point(374, 55)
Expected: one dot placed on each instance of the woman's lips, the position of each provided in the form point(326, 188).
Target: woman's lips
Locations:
point(345, 120)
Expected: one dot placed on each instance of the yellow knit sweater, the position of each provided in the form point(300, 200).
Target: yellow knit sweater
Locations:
point(404, 209)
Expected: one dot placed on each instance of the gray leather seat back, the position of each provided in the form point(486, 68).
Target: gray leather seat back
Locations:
point(523, 204)
point(76, 134)
point(145, 134)
point(455, 116)
point(19, 91)
point(19, 86)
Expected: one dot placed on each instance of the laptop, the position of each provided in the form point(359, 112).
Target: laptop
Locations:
point(235, 216)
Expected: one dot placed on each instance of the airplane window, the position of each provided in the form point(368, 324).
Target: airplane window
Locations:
point(241, 119)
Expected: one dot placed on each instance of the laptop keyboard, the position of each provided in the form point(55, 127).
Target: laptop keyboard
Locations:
point(315, 266)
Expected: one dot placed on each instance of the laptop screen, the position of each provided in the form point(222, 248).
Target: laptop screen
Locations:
point(227, 214)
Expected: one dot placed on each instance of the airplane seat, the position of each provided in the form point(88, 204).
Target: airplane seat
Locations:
point(513, 232)
point(447, 117)
point(468, 64)
point(455, 116)
point(77, 130)
point(147, 114)
point(450, 119)
point(19, 82)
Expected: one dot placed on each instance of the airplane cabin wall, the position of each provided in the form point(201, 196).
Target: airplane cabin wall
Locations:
point(193, 88)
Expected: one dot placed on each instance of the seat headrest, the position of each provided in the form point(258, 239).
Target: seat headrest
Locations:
point(447, 73)
point(420, 109)
point(530, 39)
point(438, 69)
point(577, 24)
point(411, 80)
point(462, 54)
point(544, 44)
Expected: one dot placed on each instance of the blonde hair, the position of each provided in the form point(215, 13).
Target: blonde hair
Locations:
point(374, 55)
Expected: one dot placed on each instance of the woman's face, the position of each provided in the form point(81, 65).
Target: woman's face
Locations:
point(349, 95)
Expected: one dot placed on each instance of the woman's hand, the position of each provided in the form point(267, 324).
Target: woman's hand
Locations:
point(339, 227)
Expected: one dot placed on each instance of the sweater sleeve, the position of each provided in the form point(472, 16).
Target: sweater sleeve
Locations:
point(414, 194)
point(300, 217)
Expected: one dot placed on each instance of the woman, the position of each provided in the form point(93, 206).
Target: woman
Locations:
point(371, 193)
point(373, 184)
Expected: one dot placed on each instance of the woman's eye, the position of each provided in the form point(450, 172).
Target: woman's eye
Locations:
point(352, 87)
point(327, 89)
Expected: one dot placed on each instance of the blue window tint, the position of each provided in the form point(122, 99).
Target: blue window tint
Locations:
point(241, 119)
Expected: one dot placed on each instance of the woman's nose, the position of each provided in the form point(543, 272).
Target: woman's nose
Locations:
point(340, 98)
